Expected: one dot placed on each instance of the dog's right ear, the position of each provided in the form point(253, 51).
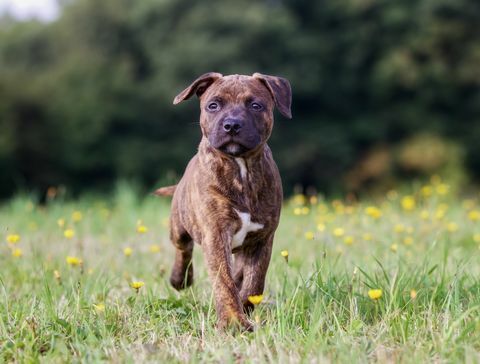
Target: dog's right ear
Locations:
point(198, 86)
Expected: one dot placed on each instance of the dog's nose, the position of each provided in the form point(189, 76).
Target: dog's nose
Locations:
point(232, 126)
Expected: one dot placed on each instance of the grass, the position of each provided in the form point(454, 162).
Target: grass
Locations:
point(422, 252)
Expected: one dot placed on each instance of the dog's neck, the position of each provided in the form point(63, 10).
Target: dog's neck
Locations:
point(235, 175)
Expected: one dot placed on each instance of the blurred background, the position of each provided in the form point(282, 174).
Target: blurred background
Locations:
point(383, 91)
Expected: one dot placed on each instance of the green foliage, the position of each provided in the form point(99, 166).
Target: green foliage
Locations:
point(87, 99)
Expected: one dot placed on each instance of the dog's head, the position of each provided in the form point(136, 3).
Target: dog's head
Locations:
point(237, 110)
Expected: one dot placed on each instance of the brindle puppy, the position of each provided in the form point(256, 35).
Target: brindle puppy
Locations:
point(229, 198)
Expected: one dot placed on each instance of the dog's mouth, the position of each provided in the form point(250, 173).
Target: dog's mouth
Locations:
point(233, 148)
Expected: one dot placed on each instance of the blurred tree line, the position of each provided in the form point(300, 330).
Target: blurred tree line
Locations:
point(87, 99)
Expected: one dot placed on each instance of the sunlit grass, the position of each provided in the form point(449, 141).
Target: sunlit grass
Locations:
point(392, 279)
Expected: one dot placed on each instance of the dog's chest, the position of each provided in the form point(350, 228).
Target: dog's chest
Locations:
point(247, 225)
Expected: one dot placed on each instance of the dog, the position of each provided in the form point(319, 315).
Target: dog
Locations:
point(230, 196)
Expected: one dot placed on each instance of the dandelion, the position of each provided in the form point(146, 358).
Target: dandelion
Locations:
point(426, 191)
point(309, 235)
point(413, 294)
point(61, 222)
point(127, 251)
point(284, 254)
point(77, 216)
point(57, 276)
point(297, 211)
point(73, 261)
point(474, 215)
point(321, 227)
point(13, 238)
point(452, 227)
point(142, 229)
point(408, 240)
point(154, 248)
point(408, 203)
point(442, 189)
point(137, 285)
point(313, 200)
point(338, 232)
point(299, 199)
point(69, 233)
point(255, 299)
point(375, 294)
point(17, 253)
point(424, 215)
point(399, 228)
point(348, 240)
point(373, 212)
point(99, 307)
point(367, 237)
point(394, 247)
point(305, 210)
point(476, 238)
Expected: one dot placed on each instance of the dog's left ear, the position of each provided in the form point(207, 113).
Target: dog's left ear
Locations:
point(198, 86)
point(281, 91)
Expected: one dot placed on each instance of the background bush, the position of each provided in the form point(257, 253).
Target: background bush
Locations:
point(86, 100)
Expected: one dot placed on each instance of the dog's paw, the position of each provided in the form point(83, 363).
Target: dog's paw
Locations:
point(181, 282)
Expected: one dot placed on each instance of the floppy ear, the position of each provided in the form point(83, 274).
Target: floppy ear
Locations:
point(198, 86)
point(281, 91)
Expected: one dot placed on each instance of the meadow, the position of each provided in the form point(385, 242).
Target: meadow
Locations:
point(387, 279)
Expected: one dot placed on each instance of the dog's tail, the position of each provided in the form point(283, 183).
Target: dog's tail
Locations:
point(165, 191)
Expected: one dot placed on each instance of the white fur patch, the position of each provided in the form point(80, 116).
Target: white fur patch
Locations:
point(247, 226)
point(243, 167)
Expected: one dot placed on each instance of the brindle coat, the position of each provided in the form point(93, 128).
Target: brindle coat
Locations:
point(230, 196)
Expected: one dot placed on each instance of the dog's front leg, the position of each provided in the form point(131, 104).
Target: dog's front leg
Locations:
point(217, 251)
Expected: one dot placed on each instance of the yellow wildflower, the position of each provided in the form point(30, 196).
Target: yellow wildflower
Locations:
point(338, 232)
point(255, 299)
point(367, 237)
point(305, 210)
point(394, 247)
point(73, 261)
point(77, 216)
point(127, 251)
point(17, 253)
point(297, 211)
point(321, 227)
point(284, 253)
point(424, 215)
point(348, 240)
point(69, 233)
point(375, 294)
point(442, 189)
point(309, 235)
point(452, 227)
point(61, 222)
point(476, 238)
point(13, 238)
point(313, 200)
point(99, 307)
point(408, 240)
point(137, 285)
point(399, 228)
point(474, 215)
point(299, 199)
point(373, 211)
point(408, 203)
point(154, 248)
point(413, 294)
point(142, 229)
point(426, 191)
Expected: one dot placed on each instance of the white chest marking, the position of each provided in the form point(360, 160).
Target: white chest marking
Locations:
point(247, 226)
point(243, 167)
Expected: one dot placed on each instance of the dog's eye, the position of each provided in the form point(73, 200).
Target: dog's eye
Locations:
point(213, 106)
point(256, 106)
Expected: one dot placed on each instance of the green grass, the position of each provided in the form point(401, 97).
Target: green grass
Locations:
point(316, 307)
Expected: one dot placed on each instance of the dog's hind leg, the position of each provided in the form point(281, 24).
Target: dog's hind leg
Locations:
point(182, 272)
